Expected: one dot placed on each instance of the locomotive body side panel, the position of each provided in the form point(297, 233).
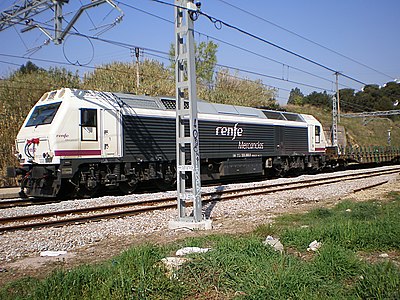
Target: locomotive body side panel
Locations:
point(295, 140)
point(153, 139)
point(148, 138)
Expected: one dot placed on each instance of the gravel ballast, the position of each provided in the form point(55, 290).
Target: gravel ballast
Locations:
point(226, 215)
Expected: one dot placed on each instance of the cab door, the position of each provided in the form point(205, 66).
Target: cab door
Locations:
point(89, 132)
point(311, 137)
point(316, 138)
point(110, 129)
point(319, 138)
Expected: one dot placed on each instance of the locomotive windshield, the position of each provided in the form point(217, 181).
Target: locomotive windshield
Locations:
point(43, 114)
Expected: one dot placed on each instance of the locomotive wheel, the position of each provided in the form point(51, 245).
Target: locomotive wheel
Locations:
point(164, 185)
point(66, 191)
point(86, 188)
point(127, 187)
point(86, 182)
point(168, 182)
point(85, 192)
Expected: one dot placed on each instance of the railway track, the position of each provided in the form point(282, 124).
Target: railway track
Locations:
point(82, 215)
point(21, 202)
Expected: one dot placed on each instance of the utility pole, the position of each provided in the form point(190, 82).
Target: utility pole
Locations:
point(335, 109)
point(187, 141)
point(137, 54)
point(337, 96)
point(334, 122)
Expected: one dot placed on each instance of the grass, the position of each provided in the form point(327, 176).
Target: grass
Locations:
point(241, 267)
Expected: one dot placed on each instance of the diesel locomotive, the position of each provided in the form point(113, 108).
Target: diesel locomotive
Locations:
point(78, 142)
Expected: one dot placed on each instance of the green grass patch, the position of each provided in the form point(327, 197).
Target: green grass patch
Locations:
point(242, 267)
point(355, 226)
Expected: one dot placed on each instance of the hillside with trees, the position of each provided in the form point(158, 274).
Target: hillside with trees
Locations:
point(371, 98)
point(359, 131)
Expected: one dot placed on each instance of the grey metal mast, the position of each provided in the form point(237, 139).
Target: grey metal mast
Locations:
point(187, 129)
point(335, 114)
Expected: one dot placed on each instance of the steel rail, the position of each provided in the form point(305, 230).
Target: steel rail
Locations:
point(31, 201)
point(212, 195)
point(14, 203)
point(208, 197)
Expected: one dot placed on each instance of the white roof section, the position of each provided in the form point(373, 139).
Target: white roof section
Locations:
point(122, 100)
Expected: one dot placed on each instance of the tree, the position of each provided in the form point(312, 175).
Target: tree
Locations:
point(296, 97)
point(205, 60)
point(29, 67)
point(155, 79)
point(373, 99)
point(363, 102)
point(392, 90)
point(319, 99)
point(346, 99)
point(230, 89)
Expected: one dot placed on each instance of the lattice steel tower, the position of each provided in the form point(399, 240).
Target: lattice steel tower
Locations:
point(187, 129)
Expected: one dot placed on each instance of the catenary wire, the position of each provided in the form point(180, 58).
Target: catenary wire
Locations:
point(218, 24)
point(306, 39)
point(129, 46)
point(234, 46)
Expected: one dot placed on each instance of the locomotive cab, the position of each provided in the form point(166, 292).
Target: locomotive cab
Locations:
point(63, 126)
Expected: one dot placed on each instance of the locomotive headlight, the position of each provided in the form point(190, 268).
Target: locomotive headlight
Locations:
point(48, 156)
point(16, 153)
point(19, 157)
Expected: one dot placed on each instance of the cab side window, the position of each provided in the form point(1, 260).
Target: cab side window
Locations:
point(317, 134)
point(88, 124)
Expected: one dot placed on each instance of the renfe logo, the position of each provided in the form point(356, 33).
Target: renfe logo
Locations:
point(229, 131)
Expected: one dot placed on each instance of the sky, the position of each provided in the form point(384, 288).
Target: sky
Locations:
point(286, 44)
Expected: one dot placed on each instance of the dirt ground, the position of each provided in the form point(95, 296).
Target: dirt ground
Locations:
point(41, 267)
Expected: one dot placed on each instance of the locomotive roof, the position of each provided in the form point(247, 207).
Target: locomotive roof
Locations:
point(168, 103)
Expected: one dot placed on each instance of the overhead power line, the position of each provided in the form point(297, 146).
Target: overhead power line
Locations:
point(274, 77)
point(234, 46)
point(9, 63)
point(218, 24)
point(218, 21)
point(130, 46)
point(305, 38)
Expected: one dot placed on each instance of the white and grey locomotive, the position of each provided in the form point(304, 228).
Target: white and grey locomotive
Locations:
point(80, 141)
